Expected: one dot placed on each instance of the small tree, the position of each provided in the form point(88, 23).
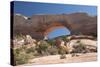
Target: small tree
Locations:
point(42, 47)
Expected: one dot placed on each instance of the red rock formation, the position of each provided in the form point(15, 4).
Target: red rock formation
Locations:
point(39, 25)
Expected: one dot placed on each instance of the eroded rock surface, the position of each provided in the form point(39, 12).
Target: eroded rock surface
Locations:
point(40, 25)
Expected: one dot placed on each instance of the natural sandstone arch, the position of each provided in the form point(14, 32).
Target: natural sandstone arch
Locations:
point(38, 25)
point(54, 26)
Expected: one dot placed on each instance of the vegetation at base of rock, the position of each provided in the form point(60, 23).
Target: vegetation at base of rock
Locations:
point(30, 50)
point(27, 51)
point(51, 42)
point(19, 36)
point(53, 50)
point(79, 49)
point(23, 54)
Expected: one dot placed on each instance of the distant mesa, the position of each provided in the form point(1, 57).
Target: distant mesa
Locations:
point(38, 26)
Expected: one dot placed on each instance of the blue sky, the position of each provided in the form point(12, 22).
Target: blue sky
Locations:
point(31, 8)
point(58, 32)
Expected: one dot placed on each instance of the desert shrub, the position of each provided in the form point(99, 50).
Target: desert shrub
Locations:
point(64, 38)
point(51, 42)
point(23, 54)
point(24, 47)
point(52, 50)
point(36, 54)
point(78, 41)
point(30, 50)
point(79, 48)
point(20, 57)
point(61, 51)
point(19, 36)
point(62, 56)
point(17, 51)
point(42, 47)
point(67, 40)
point(82, 46)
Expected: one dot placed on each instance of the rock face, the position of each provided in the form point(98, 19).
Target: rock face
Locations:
point(40, 25)
point(25, 40)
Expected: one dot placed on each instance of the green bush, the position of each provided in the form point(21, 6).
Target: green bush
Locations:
point(30, 50)
point(20, 57)
point(64, 38)
point(42, 47)
point(61, 51)
point(51, 42)
point(23, 54)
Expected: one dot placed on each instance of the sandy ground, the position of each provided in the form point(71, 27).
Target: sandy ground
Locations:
point(55, 59)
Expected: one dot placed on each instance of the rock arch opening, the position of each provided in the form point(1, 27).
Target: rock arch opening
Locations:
point(60, 31)
point(56, 29)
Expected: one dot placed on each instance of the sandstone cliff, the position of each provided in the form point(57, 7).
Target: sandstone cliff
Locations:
point(40, 25)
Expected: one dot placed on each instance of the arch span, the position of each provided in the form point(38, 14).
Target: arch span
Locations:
point(53, 26)
point(75, 22)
